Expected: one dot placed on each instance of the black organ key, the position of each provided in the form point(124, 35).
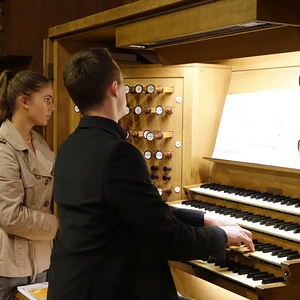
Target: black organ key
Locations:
point(227, 189)
point(262, 276)
point(260, 195)
point(272, 222)
point(278, 199)
point(293, 201)
point(256, 218)
point(225, 263)
point(260, 247)
point(232, 190)
point(256, 273)
point(285, 225)
point(292, 227)
point(272, 198)
point(247, 193)
point(271, 249)
point(293, 256)
point(235, 266)
point(286, 253)
point(246, 270)
point(238, 214)
point(240, 269)
point(276, 252)
point(278, 224)
point(272, 280)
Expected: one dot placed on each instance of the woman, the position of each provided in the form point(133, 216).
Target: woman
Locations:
point(27, 226)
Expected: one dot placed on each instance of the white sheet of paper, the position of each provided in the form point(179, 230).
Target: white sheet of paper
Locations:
point(261, 128)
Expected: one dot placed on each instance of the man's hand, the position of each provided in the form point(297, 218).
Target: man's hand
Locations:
point(235, 234)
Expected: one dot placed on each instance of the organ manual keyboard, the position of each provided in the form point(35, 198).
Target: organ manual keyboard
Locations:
point(270, 209)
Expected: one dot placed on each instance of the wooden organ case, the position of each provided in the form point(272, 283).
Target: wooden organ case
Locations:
point(263, 198)
point(174, 112)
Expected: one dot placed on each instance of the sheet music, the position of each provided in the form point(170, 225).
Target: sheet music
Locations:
point(262, 128)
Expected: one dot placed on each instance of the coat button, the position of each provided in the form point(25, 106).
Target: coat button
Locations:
point(46, 181)
point(46, 203)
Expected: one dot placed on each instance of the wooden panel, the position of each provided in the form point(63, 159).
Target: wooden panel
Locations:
point(257, 80)
point(64, 120)
point(15, 43)
point(249, 44)
point(115, 16)
point(204, 18)
point(48, 64)
point(192, 286)
point(197, 19)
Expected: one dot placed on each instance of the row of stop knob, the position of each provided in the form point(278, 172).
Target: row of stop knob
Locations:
point(165, 177)
point(158, 154)
point(159, 110)
point(150, 135)
point(149, 89)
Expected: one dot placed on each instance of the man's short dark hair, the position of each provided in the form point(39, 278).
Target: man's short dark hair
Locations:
point(87, 75)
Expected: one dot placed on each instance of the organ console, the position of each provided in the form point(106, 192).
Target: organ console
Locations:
point(262, 198)
point(187, 99)
point(270, 212)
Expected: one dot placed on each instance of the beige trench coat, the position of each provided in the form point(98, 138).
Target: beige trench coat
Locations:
point(27, 227)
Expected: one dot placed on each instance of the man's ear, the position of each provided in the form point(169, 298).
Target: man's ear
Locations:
point(114, 89)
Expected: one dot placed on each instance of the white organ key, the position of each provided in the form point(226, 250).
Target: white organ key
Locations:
point(268, 257)
point(291, 209)
point(290, 235)
point(224, 272)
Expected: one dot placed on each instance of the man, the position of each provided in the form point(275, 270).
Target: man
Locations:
point(116, 235)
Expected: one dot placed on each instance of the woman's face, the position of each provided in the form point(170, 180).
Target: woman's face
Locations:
point(40, 106)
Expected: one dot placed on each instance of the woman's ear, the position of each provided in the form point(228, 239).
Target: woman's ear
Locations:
point(23, 100)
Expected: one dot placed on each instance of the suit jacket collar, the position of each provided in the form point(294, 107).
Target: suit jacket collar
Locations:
point(104, 124)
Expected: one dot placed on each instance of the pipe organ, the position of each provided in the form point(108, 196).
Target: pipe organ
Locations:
point(173, 116)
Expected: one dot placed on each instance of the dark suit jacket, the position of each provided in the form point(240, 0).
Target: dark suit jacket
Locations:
point(116, 235)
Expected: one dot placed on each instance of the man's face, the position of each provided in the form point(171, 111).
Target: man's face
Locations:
point(122, 97)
